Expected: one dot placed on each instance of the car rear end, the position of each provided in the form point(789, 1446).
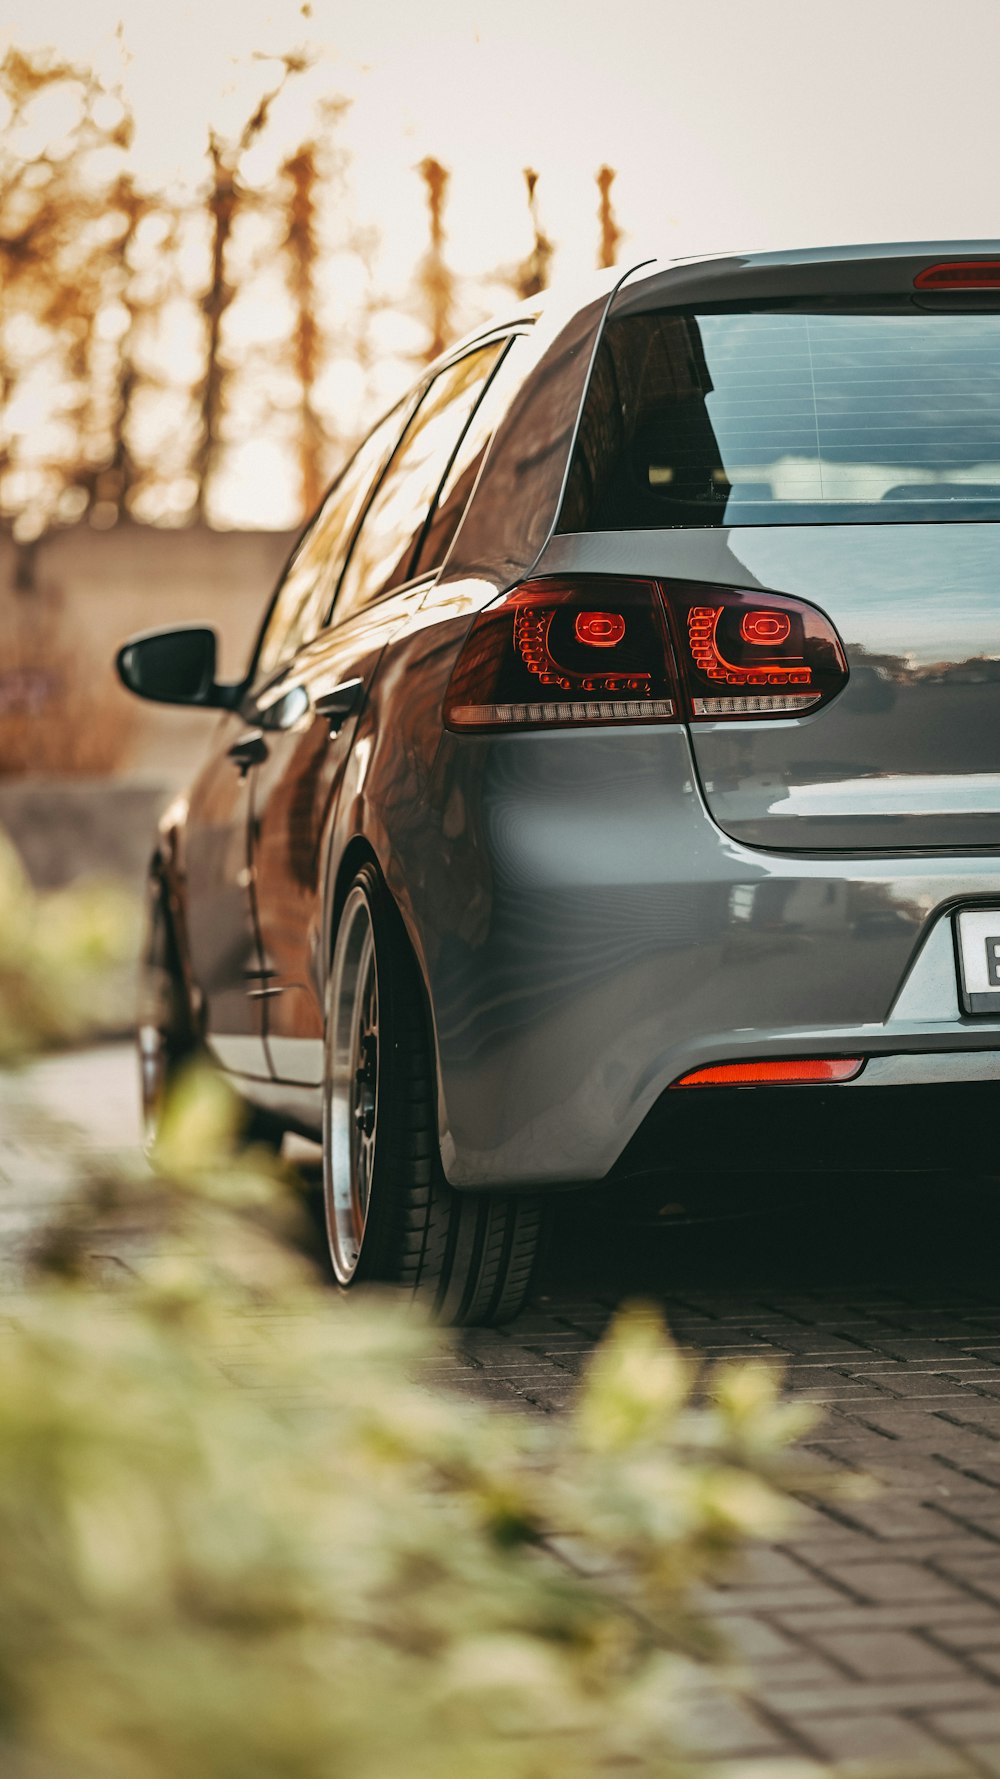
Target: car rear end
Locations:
point(737, 738)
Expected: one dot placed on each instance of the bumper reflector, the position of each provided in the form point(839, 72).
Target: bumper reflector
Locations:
point(789, 1074)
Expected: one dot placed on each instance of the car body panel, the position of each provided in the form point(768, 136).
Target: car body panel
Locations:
point(220, 931)
point(908, 754)
point(520, 487)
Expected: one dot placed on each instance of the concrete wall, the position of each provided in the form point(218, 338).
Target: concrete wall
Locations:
point(69, 828)
point(92, 589)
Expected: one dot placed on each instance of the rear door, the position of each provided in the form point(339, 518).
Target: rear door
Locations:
point(221, 934)
point(313, 710)
point(844, 452)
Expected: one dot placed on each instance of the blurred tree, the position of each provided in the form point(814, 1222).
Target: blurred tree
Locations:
point(611, 234)
point(61, 228)
point(532, 275)
point(435, 278)
point(303, 253)
point(223, 198)
point(111, 486)
point(130, 377)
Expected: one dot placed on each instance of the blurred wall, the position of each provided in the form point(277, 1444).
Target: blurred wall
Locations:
point(90, 590)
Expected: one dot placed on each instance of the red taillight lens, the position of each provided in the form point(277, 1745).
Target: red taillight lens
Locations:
point(960, 274)
point(789, 1074)
point(563, 653)
point(754, 654)
point(600, 630)
point(766, 629)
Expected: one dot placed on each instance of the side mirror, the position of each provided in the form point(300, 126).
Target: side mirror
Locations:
point(173, 667)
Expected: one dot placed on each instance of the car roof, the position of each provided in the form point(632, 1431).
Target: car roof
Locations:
point(851, 270)
point(869, 268)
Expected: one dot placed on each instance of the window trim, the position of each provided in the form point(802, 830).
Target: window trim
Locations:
point(504, 335)
point(404, 407)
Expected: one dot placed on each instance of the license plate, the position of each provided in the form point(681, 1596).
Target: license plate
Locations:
point(977, 933)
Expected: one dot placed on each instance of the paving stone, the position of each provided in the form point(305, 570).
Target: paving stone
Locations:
point(718, 1725)
point(755, 1639)
point(889, 1581)
point(888, 1654)
point(965, 1691)
point(978, 1728)
point(895, 1520)
point(980, 1573)
point(889, 1745)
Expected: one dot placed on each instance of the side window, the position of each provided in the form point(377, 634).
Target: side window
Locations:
point(456, 489)
point(383, 549)
point(304, 596)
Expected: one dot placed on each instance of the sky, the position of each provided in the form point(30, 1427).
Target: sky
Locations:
point(743, 124)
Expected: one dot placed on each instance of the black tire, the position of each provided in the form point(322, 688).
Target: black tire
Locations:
point(390, 1214)
point(165, 1038)
point(168, 1039)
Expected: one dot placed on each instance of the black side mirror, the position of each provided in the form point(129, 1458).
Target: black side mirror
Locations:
point(173, 667)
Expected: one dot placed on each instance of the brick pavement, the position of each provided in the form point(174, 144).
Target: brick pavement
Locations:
point(870, 1635)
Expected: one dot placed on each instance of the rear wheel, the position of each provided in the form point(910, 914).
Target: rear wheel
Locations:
point(390, 1214)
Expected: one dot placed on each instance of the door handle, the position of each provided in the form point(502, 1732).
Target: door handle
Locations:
point(248, 751)
point(340, 703)
point(286, 711)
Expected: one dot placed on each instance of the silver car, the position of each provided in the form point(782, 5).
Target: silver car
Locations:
point(615, 784)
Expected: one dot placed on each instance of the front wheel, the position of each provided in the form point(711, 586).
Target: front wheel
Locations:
point(390, 1214)
point(167, 1040)
point(165, 1037)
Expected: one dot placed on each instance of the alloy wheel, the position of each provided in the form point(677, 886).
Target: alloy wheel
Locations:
point(351, 1085)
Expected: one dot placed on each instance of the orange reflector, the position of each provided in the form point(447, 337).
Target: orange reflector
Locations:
point(960, 274)
point(797, 1073)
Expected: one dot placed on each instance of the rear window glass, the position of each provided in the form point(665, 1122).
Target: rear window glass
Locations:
point(788, 418)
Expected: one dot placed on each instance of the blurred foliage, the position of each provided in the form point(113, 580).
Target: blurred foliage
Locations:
point(58, 956)
point(244, 1536)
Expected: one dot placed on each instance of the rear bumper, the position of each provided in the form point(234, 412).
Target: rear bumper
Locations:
point(926, 1126)
point(589, 935)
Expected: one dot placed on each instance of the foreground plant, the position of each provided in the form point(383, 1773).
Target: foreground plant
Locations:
point(58, 955)
point(242, 1538)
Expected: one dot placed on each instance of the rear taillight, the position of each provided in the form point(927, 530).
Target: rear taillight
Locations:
point(556, 654)
point(801, 1071)
point(597, 649)
point(754, 654)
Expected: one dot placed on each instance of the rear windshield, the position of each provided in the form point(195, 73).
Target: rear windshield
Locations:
point(782, 418)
